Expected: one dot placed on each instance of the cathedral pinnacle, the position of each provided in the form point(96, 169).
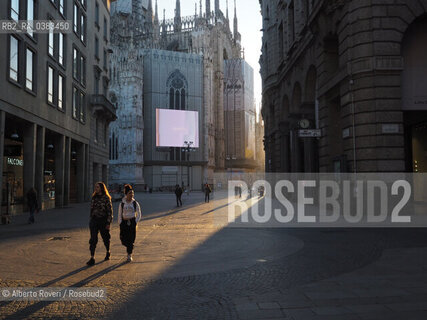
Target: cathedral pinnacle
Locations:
point(156, 15)
point(208, 9)
point(177, 20)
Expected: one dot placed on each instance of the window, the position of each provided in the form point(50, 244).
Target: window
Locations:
point(96, 48)
point(280, 35)
point(61, 49)
point(83, 70)
point(29, 68)
point(117, 148)
point(30, 15)
point(14, 9)
point(83, 28)
point(105, 86)
point(105, 133)
point(96, 129)
point(105, 29)
point(61, 6)
point(79, 67)
point(105, 59)
point(50, 85)
point(75, 102)
point(97, 82)
point(76, 18)
point(13, 59)
point(75, 64)
point(61, 87)
point(97, 14)
point(51, 43)
point(177, 85)
point(82, 107)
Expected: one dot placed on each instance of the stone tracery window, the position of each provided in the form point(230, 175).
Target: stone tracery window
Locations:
point(177, 87)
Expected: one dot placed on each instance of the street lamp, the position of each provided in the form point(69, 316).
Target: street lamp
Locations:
point(188, 149)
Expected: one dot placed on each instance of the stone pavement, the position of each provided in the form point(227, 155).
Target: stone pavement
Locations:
point(188, 267)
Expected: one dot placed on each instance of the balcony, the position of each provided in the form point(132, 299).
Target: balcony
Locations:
point(103, 107)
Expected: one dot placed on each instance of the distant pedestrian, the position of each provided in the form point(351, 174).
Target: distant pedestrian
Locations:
point(178, 194)
point(128, 218)
point(32, 204)
point(101, 216)
point(208, 190)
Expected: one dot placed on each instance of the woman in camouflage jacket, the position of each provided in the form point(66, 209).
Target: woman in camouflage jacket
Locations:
point(101, 216)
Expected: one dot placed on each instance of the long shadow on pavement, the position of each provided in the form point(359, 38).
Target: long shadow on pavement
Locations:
point(30, 310)
point(199, 284)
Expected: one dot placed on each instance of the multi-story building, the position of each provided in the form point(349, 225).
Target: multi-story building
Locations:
point(54, 117)
point(351, 74)
point(147, 53)
point(239, 116)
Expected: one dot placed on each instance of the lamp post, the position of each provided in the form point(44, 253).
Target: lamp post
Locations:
point(188, 149)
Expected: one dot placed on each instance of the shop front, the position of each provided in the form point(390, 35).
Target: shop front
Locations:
point(13, 178)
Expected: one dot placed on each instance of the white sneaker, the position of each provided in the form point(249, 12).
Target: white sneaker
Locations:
point(129, 259)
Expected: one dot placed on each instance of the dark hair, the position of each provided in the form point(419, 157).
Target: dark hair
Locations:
point(127, 188)
point(104, 190)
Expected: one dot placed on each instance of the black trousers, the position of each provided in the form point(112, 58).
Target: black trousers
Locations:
point(128, 234)
point(98, 225)
point(206, 197)
point(178, 200)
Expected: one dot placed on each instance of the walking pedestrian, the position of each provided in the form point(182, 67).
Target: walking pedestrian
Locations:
point(208, 190)
point(178, 194)
point(101, 216)
point(128, 218)
point(32, 204)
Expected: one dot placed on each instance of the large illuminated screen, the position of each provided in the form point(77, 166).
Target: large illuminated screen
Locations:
point(174, 127)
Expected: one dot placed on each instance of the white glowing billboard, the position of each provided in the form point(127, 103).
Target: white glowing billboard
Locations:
point(174, 127)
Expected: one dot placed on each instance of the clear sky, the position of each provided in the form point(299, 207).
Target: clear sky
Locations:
point(250, 24)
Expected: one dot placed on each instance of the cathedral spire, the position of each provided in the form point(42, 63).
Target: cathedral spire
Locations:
point(150, 6)
point(164, 29)
point(235, 28)
point(156, 14)
point(150, 13)
point(156, 24)
point(201, 13)
point(177, 20)
point(216, 7)
point(208, 9)
point(236, 33)
point(227, 11)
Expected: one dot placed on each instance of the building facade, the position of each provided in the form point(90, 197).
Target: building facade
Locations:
point(203, 41)
point(239, 116)
point(168, 85)
point(351, 74)
point(50, 108)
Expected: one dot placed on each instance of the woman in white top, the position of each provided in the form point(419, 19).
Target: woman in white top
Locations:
point(128, 218)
